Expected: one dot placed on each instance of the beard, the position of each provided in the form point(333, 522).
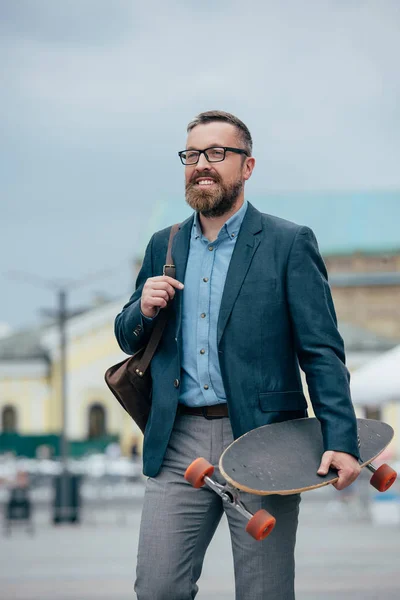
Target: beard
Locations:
point(213, 201)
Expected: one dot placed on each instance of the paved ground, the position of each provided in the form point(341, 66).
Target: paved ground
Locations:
point(340, 555)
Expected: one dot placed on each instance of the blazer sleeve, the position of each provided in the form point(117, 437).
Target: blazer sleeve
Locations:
point(319, 346)
point(132, 329)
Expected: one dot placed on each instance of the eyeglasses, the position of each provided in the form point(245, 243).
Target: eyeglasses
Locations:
point(213, 154)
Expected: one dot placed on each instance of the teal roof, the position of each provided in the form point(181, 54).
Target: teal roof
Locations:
point(344, 222)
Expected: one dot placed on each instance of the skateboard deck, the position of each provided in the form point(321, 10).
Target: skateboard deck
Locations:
point(283, 458)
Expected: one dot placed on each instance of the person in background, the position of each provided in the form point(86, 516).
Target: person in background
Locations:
point(134, 449)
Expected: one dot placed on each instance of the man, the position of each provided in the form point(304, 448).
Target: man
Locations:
point(250, 301)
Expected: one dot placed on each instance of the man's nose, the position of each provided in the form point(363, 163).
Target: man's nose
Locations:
point(203, 162)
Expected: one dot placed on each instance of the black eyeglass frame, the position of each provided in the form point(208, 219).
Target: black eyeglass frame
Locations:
point(224, 148)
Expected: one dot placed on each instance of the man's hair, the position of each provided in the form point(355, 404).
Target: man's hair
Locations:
point(224, 117)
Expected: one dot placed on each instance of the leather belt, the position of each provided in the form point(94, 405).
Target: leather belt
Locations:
point(216, 411)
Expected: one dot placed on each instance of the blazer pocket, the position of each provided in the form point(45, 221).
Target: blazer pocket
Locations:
point(282, 401)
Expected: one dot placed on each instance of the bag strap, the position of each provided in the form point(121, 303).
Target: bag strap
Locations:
point(155, 336)
point(169, 267)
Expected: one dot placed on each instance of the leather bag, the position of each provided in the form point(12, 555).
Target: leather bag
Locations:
point(130, 380)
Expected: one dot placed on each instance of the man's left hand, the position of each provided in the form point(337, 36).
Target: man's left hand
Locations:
point(347, 466)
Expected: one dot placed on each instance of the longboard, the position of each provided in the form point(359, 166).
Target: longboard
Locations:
point(283, 458)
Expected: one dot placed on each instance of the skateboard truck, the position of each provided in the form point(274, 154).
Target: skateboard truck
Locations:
point(199, 474)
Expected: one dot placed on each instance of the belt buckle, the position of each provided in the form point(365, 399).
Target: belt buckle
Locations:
point(204, 410)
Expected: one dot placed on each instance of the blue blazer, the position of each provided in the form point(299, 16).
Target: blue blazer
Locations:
point(276, 313)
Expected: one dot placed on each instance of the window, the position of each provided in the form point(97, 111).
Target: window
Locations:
point(97, 421)
point(9, 420)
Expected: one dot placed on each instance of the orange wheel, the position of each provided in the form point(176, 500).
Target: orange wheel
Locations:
point(260, 525)
point(197, 470)
point(384, 478)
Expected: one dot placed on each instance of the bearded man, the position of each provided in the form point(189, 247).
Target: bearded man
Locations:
point(250, 303)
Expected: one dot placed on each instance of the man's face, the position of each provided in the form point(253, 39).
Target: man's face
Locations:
point(222, 181)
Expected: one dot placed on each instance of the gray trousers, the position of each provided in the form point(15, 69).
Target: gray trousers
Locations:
point(179, 521)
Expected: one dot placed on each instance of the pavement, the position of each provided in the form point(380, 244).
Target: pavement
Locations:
point(340, 554)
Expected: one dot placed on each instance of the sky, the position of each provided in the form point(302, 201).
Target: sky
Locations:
point(96, 96)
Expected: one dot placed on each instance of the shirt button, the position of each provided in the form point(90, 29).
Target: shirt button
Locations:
point(206, 387)
point(232, 235)
point(211, 248)
point(203, 315)
point(176, 383)
point(205, 279)
point(202, 351)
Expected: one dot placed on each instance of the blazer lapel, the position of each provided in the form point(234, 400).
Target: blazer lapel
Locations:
point(180, 253)
point(245, 247)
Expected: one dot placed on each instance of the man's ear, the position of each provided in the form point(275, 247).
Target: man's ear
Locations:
point(248, 167)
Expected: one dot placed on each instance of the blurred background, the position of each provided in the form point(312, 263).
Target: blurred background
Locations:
point(95, 100)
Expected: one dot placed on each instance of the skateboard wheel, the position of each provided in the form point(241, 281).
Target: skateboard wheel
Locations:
point(197, 470)
point(383, 478)
point(260, 525)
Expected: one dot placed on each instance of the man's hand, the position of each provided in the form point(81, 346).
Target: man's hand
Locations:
point(156, 293)
point(346, 464)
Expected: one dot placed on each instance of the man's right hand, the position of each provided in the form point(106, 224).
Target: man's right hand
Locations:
point(157, 291)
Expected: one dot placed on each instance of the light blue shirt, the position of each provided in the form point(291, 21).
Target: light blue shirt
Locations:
point(207, 266)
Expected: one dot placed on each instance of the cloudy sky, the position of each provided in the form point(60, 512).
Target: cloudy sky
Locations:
point(95, 99)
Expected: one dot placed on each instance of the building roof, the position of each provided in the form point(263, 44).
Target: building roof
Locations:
point(28, 344)
point(344, 221)
point(23, 345)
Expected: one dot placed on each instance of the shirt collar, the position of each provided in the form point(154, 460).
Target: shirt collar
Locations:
point(231, 227)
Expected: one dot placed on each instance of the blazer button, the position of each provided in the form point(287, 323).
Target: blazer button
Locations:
point(176, 383)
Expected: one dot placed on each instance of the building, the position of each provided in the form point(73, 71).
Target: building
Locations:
point(30, 400)
point(361, 247)
point(30, 381)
